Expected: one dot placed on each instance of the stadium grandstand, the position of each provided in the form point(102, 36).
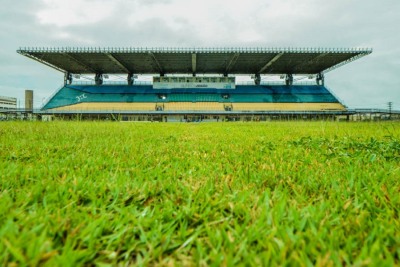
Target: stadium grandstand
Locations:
point(194, 84)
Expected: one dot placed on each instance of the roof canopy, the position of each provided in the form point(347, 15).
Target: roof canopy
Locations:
point(194, 60)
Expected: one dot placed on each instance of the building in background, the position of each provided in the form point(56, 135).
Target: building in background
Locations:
point(7, 103)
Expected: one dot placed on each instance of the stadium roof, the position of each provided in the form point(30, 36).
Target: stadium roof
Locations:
point(194, 60)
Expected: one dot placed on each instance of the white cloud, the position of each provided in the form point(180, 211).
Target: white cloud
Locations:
point(186, 23)
point(74, 12)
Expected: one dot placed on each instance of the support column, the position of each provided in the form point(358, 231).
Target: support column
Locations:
point(320, 79)
point(130, 79)
point(67, 78)
point(289, 79)
point(98, 79)
point(257, 79)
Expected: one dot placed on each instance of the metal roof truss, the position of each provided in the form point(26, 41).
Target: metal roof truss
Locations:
point(194, 61)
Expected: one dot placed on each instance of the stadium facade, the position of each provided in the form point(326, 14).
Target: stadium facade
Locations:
point(194, 84)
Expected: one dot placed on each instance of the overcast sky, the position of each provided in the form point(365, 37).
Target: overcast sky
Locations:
point(371, 81)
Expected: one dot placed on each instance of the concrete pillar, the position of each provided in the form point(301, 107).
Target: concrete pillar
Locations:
point(29, 100)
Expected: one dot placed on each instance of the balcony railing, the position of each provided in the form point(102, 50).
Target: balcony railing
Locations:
point(247, 83)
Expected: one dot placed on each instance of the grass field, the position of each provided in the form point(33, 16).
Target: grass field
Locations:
point(294, 193)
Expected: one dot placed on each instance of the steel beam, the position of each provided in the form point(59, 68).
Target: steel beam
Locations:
point(153, 57)
point(232, 62)
point(74, 59)
point(269, 63)
point(347, 61)
point(313, 60)
point(41, 61)
point(118, 63)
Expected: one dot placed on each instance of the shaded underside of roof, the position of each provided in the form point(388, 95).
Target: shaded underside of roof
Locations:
point(194, 61)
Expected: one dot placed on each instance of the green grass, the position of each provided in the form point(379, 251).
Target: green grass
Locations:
point(296, 193)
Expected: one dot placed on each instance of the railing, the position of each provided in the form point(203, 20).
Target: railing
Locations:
point(116, 111)
point(384, 111)
point(375, 110)
point(249, 83)
point(111, 83)
point(47, 100)
point(338, 98)
point(357, 50)
point(276, 83)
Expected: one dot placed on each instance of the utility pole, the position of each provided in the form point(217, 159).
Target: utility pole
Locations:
point(390, 105)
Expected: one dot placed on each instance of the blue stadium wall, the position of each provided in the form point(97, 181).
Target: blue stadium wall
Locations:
point(74, 96)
